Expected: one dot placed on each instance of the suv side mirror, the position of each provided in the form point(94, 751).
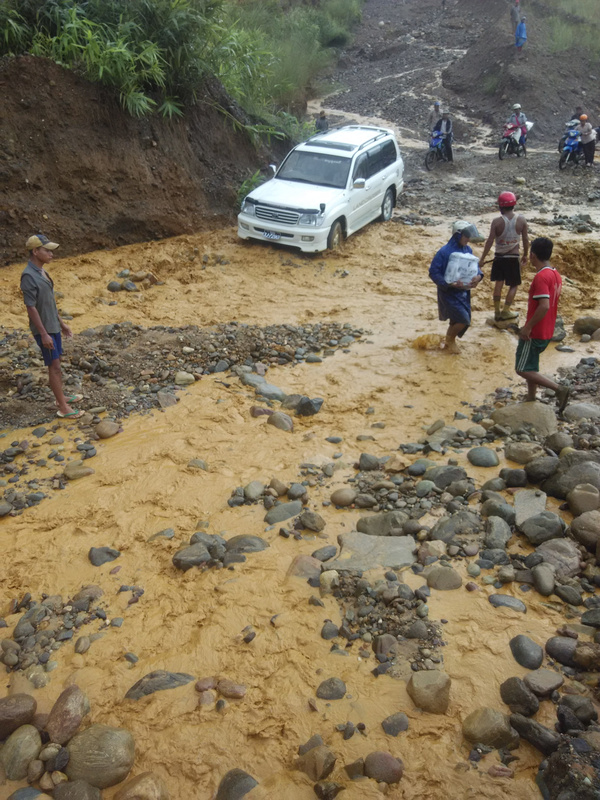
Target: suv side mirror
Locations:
point(359, 183)
point(273, 167)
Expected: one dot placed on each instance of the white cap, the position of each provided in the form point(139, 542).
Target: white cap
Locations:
point(516, 106)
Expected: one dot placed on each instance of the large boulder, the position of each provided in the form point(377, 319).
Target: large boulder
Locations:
point(523, 452)
point(586, 529)
point(66, 715)
point(430, 690)
point(360, 551)
point(587, 325)
point(577, 411)
point(382, 524)
point(562, 554)
point(21, 747)
point(575, 468)
point(582, 498)
point(462, 522)
point(100, 755)
point(491, 728)
point(15, 710)
point(536, 415)
point(542, 528)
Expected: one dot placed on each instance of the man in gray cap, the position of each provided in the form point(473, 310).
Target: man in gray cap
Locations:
point(44, 321)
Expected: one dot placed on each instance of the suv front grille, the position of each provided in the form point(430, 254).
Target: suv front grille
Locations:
point(277, 215)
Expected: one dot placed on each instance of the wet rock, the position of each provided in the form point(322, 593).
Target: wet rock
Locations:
point(235, 784)
point(102, 555)
point(577, 411)
point(586, 529)
point(587, 325)
point(582, 498)
point(558, 441)
point(540, 469)
point(543, 579)
point(569, 594)
point(542, 527)
point(587, 656)
point(539, 416)
point(329, 630)
point(307, 407)
point(325, 553)
point(430, 690)
point(314, 741)
point(513, 478)
point(303, 566)
point(183, 378)
point(498, 533)
point(562, 554)
point(444, 475)
point(582, 707)
point(317, 763)
point(483, 457)
point(331, 689)
point(312, 521)
point(362, 552)
point(67, 714)
point(328, 790)
point(106, 429)
point(417, 630)
point(443, 579)
point(381, 524)
point(523, 452)
point(21, 747)
point(157, 681)
point(166, 399)
point(575, 468)
point(192, 556)
point(383, 767)
point(245, 543)
point(230, 689)
point(146, 786)
point(282, 421)
point(283, 511)
point(15, 710)
point(498, 508)
point(367, 462)
point(507, 601)
point(591, 618)
point(462, 522)
point(491, 728)
point(254, 490)
point(343, 497)
point(543, 739)
point(76, 790)
point(519, 698)
point(543, 682)
point(395, 724)
point(76, 469)
point(101, 755)
point(529, 503)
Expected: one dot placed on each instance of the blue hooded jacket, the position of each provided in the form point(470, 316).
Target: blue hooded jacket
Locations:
point(453, 303)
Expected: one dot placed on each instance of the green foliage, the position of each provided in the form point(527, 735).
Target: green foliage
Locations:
point(490, 83)
point(248, 185)
point(14, 30)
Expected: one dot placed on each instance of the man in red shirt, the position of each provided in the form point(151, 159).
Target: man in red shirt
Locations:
point(535, 335)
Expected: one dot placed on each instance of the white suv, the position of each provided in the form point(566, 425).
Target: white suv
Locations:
point(327, 188)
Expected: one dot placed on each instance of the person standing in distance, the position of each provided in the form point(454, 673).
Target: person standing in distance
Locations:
point(322, 123)
point(434, 115)
point(521, 34)
point(505, 232)
point(454, 299)
point(588, 139)
point(535, 335)
point(515, 16)
point(44, 321)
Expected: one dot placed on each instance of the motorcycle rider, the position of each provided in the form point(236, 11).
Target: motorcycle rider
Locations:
point(434, 115)
point(444, 126)
point(505, 232)
point(588, 139)
point(518, 118)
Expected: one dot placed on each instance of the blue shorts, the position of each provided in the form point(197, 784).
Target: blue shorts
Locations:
point(50, 355)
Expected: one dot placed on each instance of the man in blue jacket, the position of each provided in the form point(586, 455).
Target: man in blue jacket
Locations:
point(454, 299)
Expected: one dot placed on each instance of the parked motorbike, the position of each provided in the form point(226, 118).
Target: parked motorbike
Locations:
point(569, 126)
point(572, 153)
point(510, 144)
point(437, 150)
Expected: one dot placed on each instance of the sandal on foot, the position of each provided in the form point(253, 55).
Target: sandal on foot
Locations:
point(73, 398)
point(563, 398)
point(70, 415)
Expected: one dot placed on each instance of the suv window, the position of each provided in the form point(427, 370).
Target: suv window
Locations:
point(361, 167)
point(380, 157)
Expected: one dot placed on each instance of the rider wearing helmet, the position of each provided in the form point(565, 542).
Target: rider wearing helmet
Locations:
point(444, 126)
point(505, 232)
point(588, 139)
point(434, 115)
point(519, 118)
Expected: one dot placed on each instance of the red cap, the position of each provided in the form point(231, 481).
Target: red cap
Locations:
point(507, 200)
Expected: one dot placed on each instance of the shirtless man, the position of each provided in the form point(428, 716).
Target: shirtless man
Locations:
point(505, 232)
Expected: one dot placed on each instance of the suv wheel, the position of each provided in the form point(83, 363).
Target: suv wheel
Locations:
point(387, 207)
point(336, 236)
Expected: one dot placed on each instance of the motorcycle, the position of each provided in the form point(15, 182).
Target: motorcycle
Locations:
point(510, 144)
point(572, 151)
point(568, 126)
point(437, 149)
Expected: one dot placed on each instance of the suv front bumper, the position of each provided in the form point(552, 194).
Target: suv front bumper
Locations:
point(307, 238)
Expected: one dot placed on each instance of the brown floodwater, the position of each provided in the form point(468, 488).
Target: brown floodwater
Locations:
point(192, 622)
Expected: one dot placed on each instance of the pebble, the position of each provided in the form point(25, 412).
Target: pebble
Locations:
point(235, 784)
point(509, 602)
point(100, 755)
point(331, 689)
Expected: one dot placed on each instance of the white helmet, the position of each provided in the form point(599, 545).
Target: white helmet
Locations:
point(517, 107)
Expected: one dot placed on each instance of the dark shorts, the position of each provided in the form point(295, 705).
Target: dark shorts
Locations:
point(50, 355)
point(528, 354)
point(507, 269)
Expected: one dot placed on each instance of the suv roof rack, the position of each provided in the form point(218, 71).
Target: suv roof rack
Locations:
point(381, 132)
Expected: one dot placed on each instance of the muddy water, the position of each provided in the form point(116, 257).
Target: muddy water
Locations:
point(192, 622)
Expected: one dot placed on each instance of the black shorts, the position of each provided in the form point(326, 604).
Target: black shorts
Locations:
point(507, 269)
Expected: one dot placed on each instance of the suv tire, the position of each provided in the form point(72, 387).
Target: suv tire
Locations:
point(336, 236)
point(387, 207)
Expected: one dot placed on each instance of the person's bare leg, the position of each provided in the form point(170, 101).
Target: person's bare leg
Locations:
point(535, 379)
point(454, 330)
point(55, 381)
point(497, 298)
point(506, 313)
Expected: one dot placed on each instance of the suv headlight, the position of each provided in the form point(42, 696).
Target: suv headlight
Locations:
point(248, 207)
point(310, 219)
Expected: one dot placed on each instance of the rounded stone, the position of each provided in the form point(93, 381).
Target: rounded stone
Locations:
point(101, 755)
point(483, 457)
point(15, 710)
point(586, 528)
point(282, 421)
point(343, 497)
point(383, 767)
point(443, 579)
point(331, 689)
point(146, 786)
point(21, 747)
point(543, 682)
point(430, 690)
point(489, 727)
point(66, 715)
point(562, 649)
point(526, 652)
point(106, 429)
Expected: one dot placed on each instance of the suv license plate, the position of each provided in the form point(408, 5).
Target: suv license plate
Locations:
point(271, 235)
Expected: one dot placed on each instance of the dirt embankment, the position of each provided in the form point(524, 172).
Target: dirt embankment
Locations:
point(72, 162)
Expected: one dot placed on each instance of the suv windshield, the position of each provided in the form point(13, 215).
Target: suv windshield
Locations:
point(320, 168)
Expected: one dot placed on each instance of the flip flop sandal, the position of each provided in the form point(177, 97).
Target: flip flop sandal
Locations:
point(73, 398)
point(70, 415)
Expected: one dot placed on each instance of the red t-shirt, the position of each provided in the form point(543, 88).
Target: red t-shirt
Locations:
point(546, 283)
